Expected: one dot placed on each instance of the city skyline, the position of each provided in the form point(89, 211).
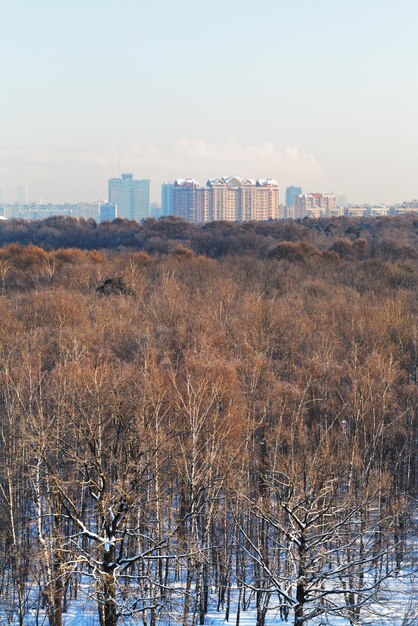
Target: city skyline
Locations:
point(229, 198)
point(135, 202)
point(314, 94)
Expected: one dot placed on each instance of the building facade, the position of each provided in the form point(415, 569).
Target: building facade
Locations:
point(291, 193)
point(131, 196)
point(184, 198)
point(167, 198)
point(230, 198)
point(314, 205)
point(40, 211)
point(107, 212)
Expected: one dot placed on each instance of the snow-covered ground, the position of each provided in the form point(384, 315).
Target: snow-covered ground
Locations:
point(398, 606)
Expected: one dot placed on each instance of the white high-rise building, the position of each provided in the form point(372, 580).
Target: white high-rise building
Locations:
point(22, 193)
point(131, 197)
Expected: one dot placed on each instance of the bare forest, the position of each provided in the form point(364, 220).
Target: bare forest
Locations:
point(199, 420)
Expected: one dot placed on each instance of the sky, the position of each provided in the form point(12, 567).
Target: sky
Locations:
point(321, 94)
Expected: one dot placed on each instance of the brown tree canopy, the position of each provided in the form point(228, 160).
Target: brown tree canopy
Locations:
point(232, 428)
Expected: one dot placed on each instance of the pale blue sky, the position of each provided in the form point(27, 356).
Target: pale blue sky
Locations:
point(318, 93)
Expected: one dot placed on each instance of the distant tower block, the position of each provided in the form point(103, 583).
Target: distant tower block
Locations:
point(131, 197)
point(22, 193)
point(291, 193)
point(167, 198)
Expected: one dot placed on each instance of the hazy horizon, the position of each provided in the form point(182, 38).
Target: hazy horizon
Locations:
point(315, 94)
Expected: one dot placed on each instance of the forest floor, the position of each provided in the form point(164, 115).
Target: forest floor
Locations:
point(398, 606)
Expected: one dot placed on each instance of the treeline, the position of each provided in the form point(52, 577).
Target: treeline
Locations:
point(182, 434)
point(390, 238)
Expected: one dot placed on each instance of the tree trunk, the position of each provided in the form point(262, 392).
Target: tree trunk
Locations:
point(107, 594)
point(300, 587)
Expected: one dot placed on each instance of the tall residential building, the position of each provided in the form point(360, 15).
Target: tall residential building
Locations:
point(291, 193)
point(167, 198)
point(227, 198)
point(184, 198)
point(22, 193)
point(132, 197)
point(314, 205)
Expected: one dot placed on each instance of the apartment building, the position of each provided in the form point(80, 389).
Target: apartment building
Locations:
point(183, 198)
point(98, 211)
point(228, 198)
point(167, 198)
point(314, 205)
point(132, 197)
point(291, 193)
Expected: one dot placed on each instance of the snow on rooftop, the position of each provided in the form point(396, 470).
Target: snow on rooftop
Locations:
point(236, 181)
